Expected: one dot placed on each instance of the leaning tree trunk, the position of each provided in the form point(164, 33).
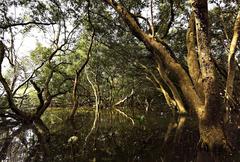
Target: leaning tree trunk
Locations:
point(210, 128)
point(172, 87)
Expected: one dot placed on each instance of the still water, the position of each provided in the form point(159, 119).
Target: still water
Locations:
point(152, 137)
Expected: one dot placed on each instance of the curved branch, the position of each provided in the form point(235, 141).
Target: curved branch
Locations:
point(28, 79)
point(171, 86)
point(151, 28)
point(5, 26)
point(95, 91)
point(159, 86)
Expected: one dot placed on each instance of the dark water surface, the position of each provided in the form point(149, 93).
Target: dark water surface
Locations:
point(154, 137)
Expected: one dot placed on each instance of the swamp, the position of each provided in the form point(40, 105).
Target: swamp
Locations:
point(119, 80)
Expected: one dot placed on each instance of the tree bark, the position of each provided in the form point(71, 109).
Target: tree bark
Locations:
point(232, 61)
point(192, 57)
point(210, 128)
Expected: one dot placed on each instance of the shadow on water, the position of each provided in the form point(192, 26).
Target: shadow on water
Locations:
point(154, 137)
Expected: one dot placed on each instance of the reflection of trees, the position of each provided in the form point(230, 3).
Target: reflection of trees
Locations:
point(7, 142)
point(175, 127)
point(203, 156)
point(206, 156)
point(179, 140)
point(25, 142)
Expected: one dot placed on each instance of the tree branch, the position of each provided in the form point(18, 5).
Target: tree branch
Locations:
point(172, 15)
point(11, 102)
point(28, 79)
point(5, 26)
point(192, 57)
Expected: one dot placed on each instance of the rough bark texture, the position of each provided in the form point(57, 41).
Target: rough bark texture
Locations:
point(211, 132)
point(192, 57)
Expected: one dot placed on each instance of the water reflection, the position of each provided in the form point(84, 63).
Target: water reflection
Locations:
point(156, 138)
point(175, 127)
point(23, 142)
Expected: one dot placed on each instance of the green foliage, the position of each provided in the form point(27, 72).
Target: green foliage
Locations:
point(40, 54)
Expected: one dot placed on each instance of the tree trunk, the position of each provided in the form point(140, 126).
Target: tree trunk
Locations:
point(232, 63)
point(192, 57)
point(210, 118)
point(75, 98)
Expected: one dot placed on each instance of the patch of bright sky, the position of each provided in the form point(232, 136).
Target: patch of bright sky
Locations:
point(23, 43)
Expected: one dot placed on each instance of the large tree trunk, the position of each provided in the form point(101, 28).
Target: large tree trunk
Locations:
point(160, 50)
point(210, 118)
